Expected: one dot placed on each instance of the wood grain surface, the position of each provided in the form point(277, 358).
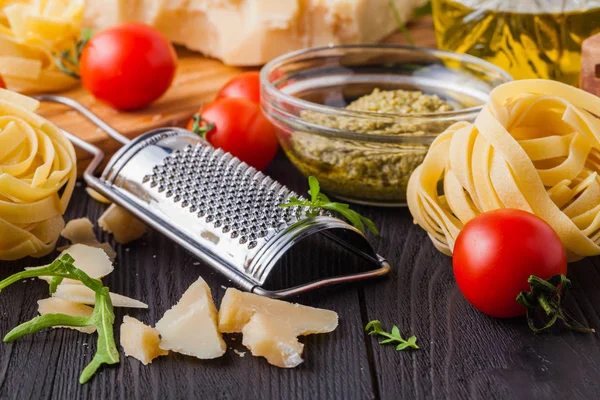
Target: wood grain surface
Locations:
point(463, 355)
point(196, 83)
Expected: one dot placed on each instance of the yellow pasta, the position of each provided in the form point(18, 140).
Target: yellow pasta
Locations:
point(37, 177)
point(535, 146)
point(31, 33)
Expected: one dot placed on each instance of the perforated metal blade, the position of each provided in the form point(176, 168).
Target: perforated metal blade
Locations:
point(226, 212)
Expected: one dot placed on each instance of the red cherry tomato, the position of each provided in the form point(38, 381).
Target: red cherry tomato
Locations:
point(2, 84)
point(128, 66)
point(241, 129)
point(246, 85)
point(497, 251)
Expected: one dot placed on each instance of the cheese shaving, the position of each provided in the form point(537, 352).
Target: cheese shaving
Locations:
point(124, 227)
point(91, 260)
point(54, 305)
point(84, 295)
point(535, 146)
point(37, 178)
point(32, 32)
point(81, 231)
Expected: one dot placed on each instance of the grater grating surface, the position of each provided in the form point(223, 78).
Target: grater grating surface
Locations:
point(223, 211)
point(233, 198)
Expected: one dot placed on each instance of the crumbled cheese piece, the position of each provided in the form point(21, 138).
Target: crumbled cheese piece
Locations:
point(97, 196)
point(190, 327)
point(85, 295)
point(239, 353)
point(140, 341)
point(124, 226)
point(81, 231)
point(91, 260)
point(54, 305)
point(270, 327)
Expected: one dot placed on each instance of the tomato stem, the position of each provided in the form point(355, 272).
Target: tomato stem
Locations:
point(201, 126)
point(547, 295)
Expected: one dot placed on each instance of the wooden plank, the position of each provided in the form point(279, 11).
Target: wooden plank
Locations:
point(196, 83)
point(465, 354)
point(156, 271)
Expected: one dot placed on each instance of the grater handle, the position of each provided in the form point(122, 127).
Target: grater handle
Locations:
point(96, 120)
point(384, 269)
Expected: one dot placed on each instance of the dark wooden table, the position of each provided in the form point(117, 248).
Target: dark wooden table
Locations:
point(463, 354)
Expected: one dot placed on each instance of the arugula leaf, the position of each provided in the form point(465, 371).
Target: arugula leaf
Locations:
point(102, 317)
point(374, 328)
point(319, 201)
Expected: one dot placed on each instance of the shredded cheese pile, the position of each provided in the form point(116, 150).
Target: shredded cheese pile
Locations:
point(31, 32)
point(536, 147)
point(37, 177)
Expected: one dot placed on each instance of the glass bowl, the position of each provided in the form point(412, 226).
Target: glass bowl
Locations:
point(365, 156)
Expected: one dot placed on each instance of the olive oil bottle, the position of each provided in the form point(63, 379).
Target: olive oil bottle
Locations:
point(526, 38)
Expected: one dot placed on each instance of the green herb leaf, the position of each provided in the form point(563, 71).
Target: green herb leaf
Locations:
point(68, 60)
point(315, 189)
point(424, 10)
point(546, 295)
point(374, 328)
point(319, 201)
point(102, 317)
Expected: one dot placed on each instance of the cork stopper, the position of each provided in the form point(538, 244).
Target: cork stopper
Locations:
point(590, 65)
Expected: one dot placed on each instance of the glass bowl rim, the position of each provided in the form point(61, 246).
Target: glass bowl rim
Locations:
point(323, 109)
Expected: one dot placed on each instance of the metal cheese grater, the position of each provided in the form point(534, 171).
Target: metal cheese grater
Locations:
point(220, 209)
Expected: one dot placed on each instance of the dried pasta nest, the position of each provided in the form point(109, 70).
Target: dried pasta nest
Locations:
point(32, 34)
point(37, 177)
point(536, 147)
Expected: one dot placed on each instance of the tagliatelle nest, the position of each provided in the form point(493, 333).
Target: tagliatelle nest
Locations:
point(32, 33)
point(37, 177)
point(536, 147)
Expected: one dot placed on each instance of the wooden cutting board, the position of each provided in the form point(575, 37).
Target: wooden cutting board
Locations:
point(196, 83)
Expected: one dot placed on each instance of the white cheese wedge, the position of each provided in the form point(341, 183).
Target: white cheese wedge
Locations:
point(270, 327)
point(91, 260)
point(265, 336)
point(83, 294)
point(252, 32)
point(190, 327)
point(140, 341)
point(81, 231)
point(55, 305)
point(123, 226)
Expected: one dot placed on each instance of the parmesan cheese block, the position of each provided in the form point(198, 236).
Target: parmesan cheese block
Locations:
point(123, 226)
point(190, 327)
point(252, 32)
point(85, 295)
point(54, 305)
point(140, 341)
point(81, 231)
point(270, 327)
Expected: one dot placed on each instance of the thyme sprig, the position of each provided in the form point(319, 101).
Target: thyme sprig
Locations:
point(319, 201)
point(374, 328)
point(102, 317)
